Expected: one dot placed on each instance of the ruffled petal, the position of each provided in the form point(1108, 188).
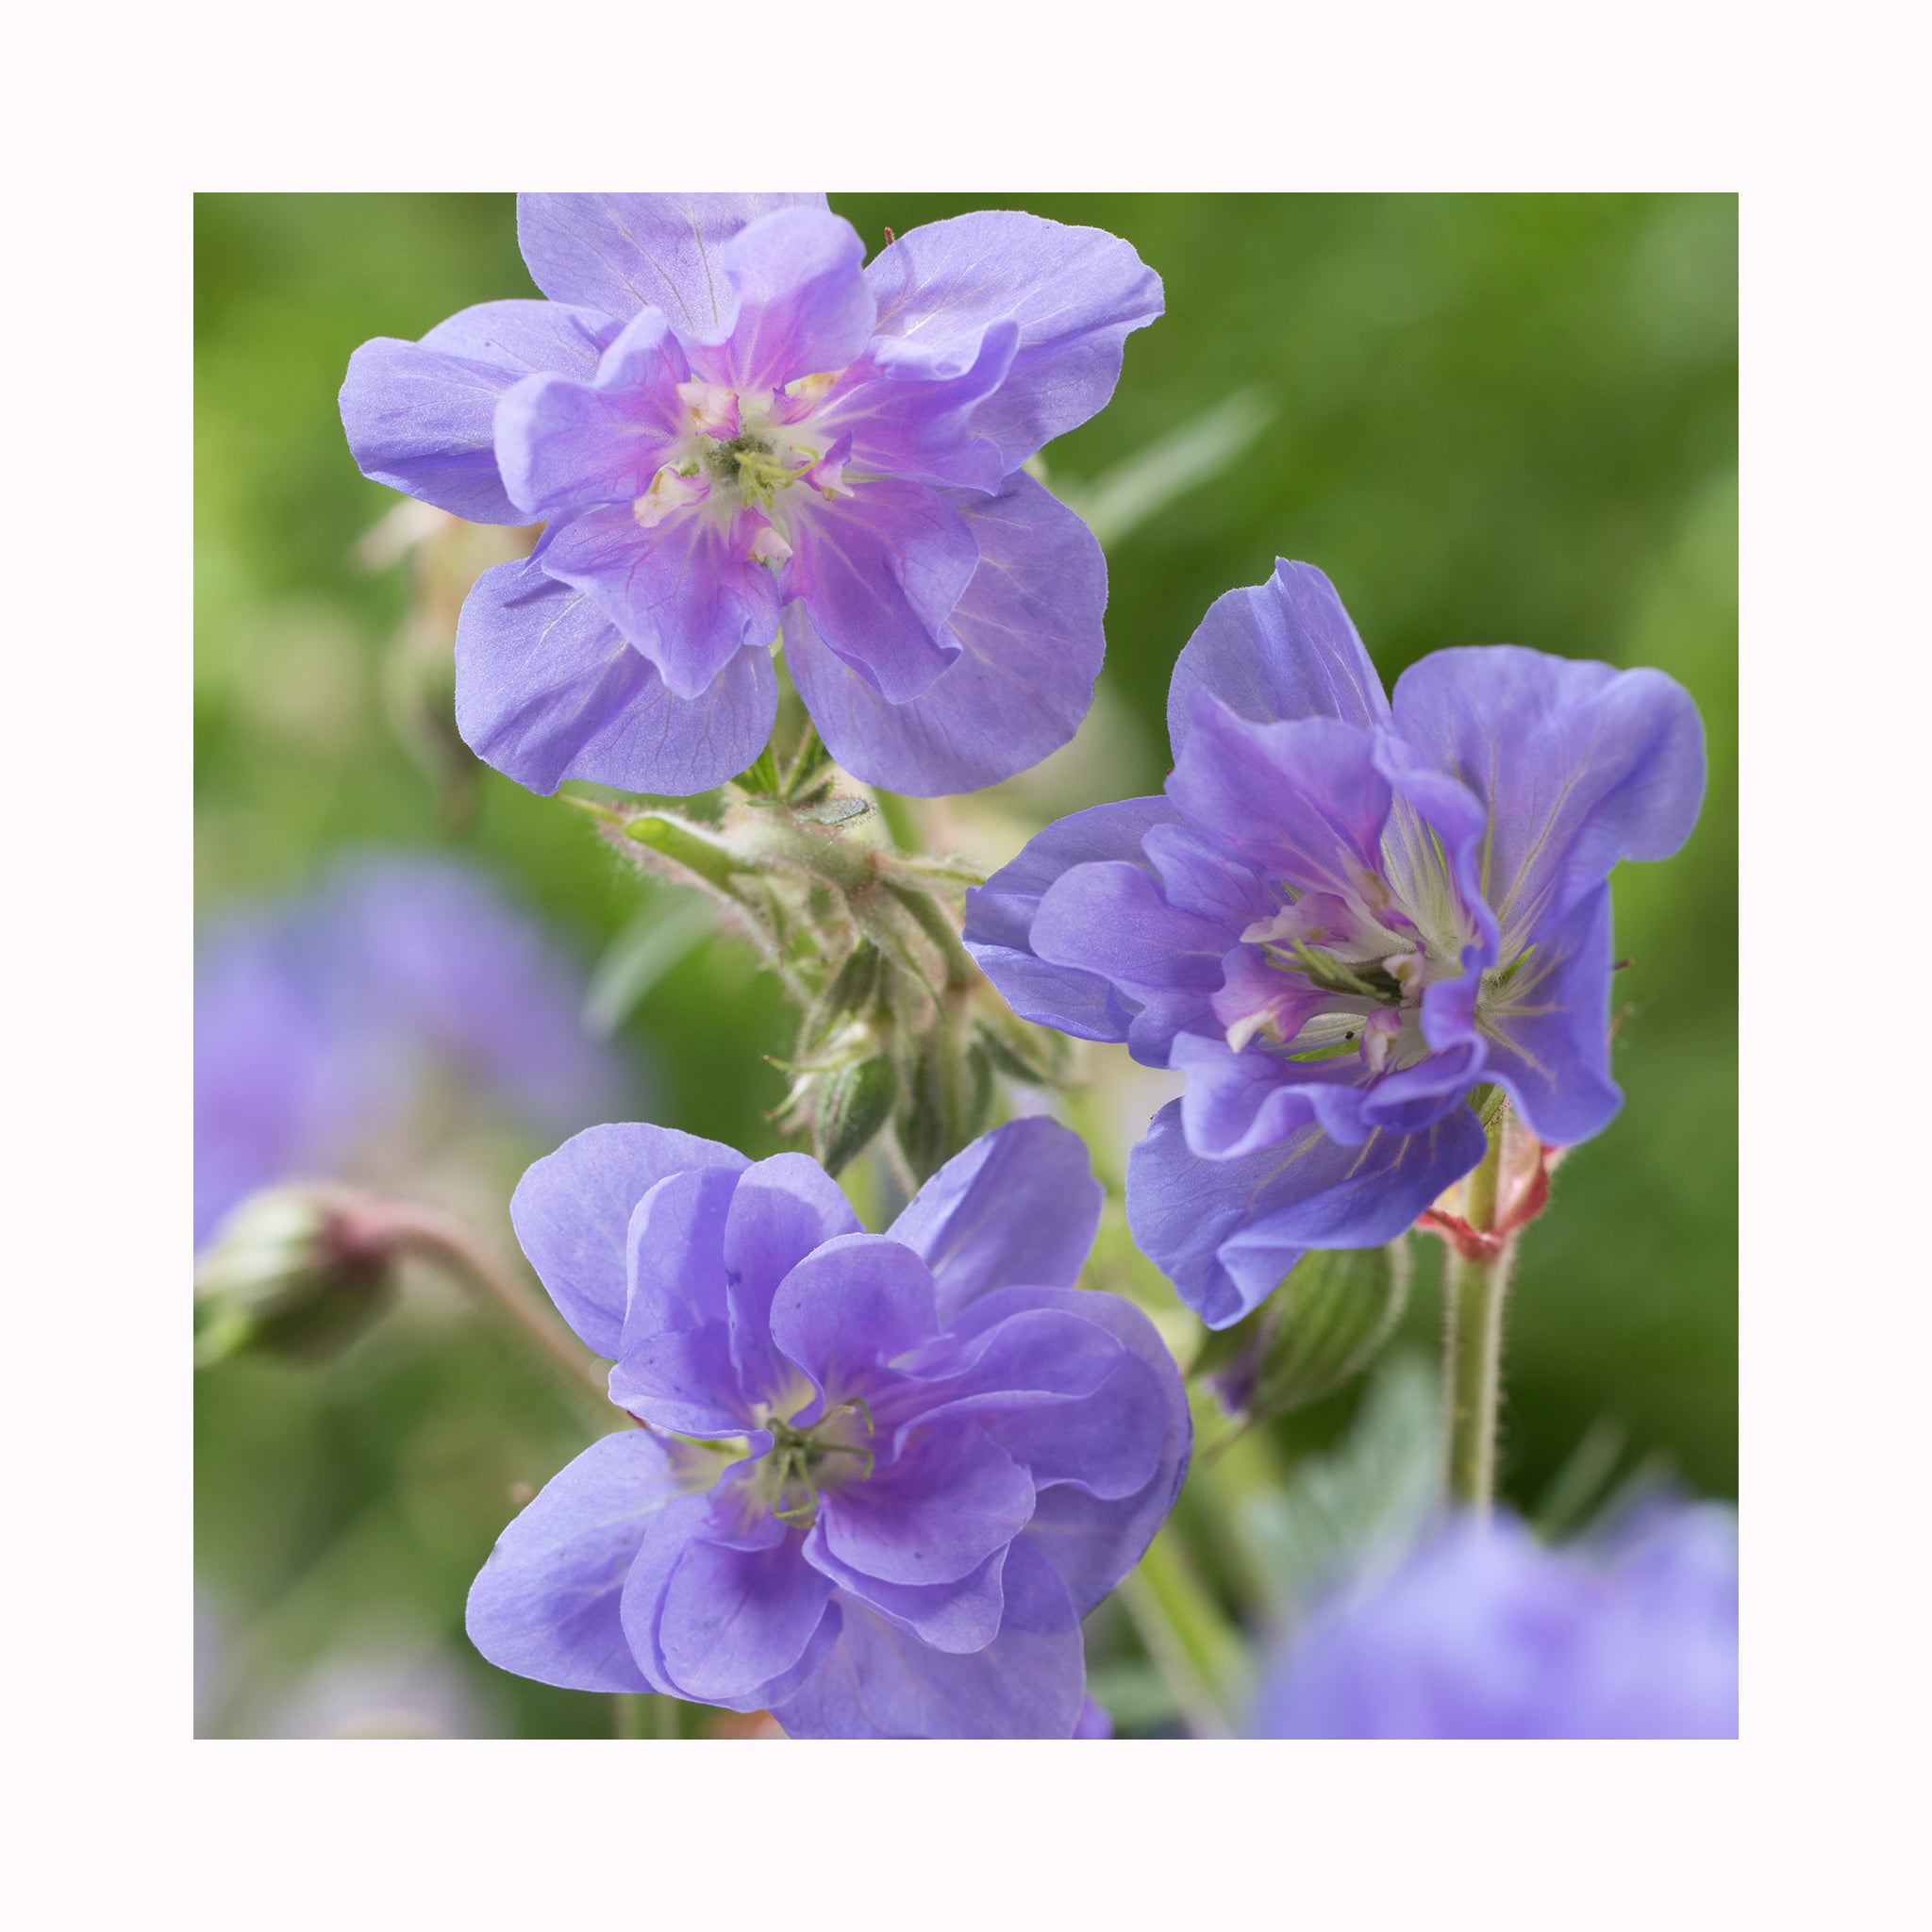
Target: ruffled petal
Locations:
point(1548, 1029)
point(1112, 918)
point(850, 1306)
point(684, 590)
point(562, 443)
point(733, 1620)
point(953, 1617)
point(879, 574)
point(1076, 294)
point(420, 416)
point(675, 1252)
point(1197, 878)
point(1237, 1103)
point(548, 689)
point(1285, 649)
point(1094, 1540)
point(1019, 1206)
point(620, 253)
point(1029, 632)
point(1030, 1353)
point(674, 1366)
point(1000, 916)
point(804, 308)
point(683, 1382)
point(1301, 801)
point(546, 1602)
point(784, 1208)
point(915, 425)
point(1225, 1232)
point(949, 1500)
point(572, 1212)
point(879, 1681)
point(1579, 765)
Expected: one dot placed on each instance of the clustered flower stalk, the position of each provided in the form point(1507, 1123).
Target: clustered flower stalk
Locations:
point(899, 1034)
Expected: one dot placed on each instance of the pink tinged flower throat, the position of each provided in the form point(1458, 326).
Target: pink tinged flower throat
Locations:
point(744, 450)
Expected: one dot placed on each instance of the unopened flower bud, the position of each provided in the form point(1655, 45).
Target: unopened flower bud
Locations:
point(948, 1100)
point(851, 1105)
point(1333, 1310)
point(294, 1272)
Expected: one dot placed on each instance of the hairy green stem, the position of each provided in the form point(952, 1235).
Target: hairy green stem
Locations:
point(1473, 1293)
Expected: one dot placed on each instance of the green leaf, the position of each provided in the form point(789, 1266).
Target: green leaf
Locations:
point(761, 777)
point(667, 927)
point(1365, 1501)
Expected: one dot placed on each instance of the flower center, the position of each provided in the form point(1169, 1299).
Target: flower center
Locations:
point(804, 1463)
point(743, 451)
point(1348, 973)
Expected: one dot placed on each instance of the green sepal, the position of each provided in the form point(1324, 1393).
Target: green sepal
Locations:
point(759, 778)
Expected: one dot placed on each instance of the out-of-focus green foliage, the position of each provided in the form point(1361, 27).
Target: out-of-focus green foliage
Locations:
point(1488, 418)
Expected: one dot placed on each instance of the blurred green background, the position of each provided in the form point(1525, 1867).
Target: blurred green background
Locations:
point(1488, 418)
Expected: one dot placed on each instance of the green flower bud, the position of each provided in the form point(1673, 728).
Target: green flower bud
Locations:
point(294, 1272)
point(1333, 1310)
point(850, 1107)
point(949, 1098)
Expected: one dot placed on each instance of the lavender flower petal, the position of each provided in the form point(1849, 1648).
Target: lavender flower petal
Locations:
point(620, 253)
point(685, 591)
point(803, 306)
point(1019, 1206)
point(1000, 917)
point(1225, 1232)
point(733, 1620)
point(547, 689)
point(1028, 628)
point(1076, 294)
point(882, 1682)
point(572, 1212)
point(547, 1604)
point(420, 416)
point(1579, 765)
point(1286, 649)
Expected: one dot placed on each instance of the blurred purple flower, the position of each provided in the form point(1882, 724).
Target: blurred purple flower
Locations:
point(1094, 1722)
point(732, 426)
point(316, 1021)
point(395, 1691)
point(1483, 1632)
point(1343, 916)
point(883, 1477)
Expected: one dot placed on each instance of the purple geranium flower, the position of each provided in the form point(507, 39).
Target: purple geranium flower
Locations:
point(315, 1020)
point(1343, 916)
point(733, 425)
point(1484, 1633)
point(883, 1477)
